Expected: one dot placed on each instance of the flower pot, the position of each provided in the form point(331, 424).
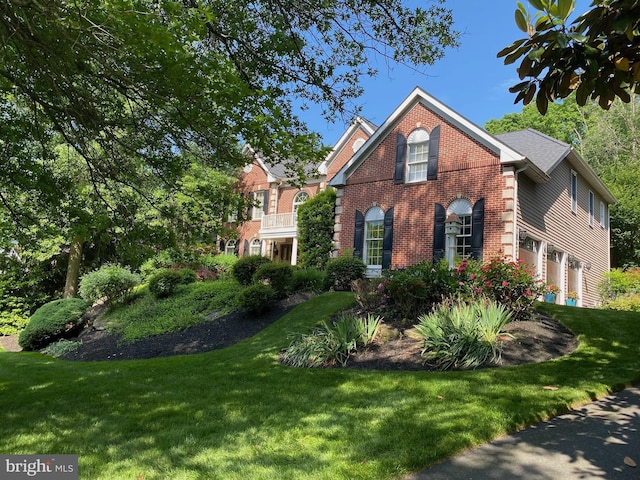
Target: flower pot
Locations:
point(550, 297)
point(571, 302)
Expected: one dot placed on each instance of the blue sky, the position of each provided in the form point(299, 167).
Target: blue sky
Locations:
point(471, 79)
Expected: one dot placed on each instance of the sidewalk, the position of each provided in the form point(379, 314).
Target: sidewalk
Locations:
point(590, 442)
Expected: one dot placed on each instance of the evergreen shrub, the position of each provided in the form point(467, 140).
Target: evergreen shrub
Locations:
point(257, 298)
point(51, 322)
point(276, 274)
point(110, 281)
point(246, 267)
point(342, 271)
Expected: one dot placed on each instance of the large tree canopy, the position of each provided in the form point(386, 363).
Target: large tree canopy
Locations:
point(154, 78)
point(597, 55)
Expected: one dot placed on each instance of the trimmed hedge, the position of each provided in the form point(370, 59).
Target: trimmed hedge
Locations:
point(112, 282)
point(246, 267)
point(342, 271)
point(51, 322)
point(278, 275)
point(257, 298)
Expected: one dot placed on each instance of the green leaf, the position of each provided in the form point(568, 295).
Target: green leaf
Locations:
point(537, 4)
point(511, 48)
point(542, 104)
point(565, 7)
point(521, 21)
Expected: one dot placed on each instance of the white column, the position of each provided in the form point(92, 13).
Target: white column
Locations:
point(294, 251)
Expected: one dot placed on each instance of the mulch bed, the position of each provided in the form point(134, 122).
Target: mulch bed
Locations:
point(537, 340)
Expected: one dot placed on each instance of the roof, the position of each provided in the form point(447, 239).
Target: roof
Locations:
point(278, 171)
point(547, 153)
point(418, 96)
point(359, 123)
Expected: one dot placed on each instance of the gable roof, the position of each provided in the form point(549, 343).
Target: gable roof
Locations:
point(359, 123)
point(278, 171)
point(547, 153)
point(418, 96)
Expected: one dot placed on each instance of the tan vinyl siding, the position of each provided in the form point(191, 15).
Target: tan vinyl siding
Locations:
point(544, 210)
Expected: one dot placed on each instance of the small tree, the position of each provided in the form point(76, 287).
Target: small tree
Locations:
point(315, 229)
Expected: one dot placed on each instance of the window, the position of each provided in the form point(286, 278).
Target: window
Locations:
point(462, 208)
point(258, 209)
point(592, 208)
point(256, 247)
point(373, 235)
point(603, 215)
point(574, 192)
point(298, 200)
point(230, 247)
point(418, 155)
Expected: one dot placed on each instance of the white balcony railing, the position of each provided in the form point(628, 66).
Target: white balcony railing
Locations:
point(281, 223)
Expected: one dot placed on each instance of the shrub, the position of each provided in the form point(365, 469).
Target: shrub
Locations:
point(221, 264)
point(12, 322)
point(187, 276)
point(278, 275)
point(512, 284)
point(51, 322)
point(307, 280)
point(416, 289)
point(160, 261)
point(619, 282)
point(342, 271)
point(257, 298)
point(246, 267)
point(463, 335)
point(315, 229)
point(331, 342)
point(368, 293)
point(629, 303)
point(110, 281)
point(165, 282)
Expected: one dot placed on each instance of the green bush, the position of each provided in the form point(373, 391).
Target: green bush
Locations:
point(164, 283)
point(187, 276)
point(110, 281)
point(512, 284)
point(619, 282)
point(368, 293)
point(461, 335)
point(414, 290)
point(307, 280)
point(315, 229)
point(12, 322)
point(221, 264)
point(246, 267)
point(160, 261)
point(257, 298)
point(342, 271)
point(61, 347)
point(628, 302)
point(51, 322)
point(332, 342)
point(276, 274)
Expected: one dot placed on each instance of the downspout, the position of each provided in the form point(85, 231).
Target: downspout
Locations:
point(516, 236)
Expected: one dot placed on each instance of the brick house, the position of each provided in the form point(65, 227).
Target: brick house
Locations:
point(518, 195)
point(272, 228)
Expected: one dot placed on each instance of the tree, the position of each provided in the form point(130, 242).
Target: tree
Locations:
point(597, 56)
point(315, 229)
point(564, 121)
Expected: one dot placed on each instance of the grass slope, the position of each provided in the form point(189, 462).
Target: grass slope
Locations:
point(237, 414)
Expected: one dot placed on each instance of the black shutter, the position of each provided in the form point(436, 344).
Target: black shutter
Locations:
point(250, 212)
point(358, 236)
point(265, 204)
point(477, 229)
point(246, 248)
point(438, 232)
point(387, 239)
point(222, 246)
point(401, 153)
point(434, 147)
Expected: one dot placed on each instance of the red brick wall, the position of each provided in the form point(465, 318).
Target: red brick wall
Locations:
point(466, 170)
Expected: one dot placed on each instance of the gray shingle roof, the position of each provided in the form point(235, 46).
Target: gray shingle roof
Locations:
point(544, 151)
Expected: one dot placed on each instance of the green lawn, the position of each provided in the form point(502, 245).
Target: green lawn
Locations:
point(237, 414)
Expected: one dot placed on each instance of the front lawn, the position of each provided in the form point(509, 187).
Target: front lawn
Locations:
point(238, 414)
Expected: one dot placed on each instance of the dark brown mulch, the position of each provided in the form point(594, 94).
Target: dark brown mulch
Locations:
point(539, 339)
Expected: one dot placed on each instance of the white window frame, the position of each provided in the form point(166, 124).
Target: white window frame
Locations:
point(603, 215)
point(373, 218)
point(463, 209)
point(230, 247)
point(592, 208)
point(255, 247)
point(573, 191)
point(417, 163)
point(298, 200)
point(258, 208)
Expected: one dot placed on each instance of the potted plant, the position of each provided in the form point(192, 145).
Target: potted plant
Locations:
point(550, 293)
point(572, 297)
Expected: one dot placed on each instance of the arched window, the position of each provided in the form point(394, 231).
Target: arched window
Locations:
point(299, 199)
point(230, 247)
point(373, 237)
point(417, 155)
point(256, 247)
point(462, 208)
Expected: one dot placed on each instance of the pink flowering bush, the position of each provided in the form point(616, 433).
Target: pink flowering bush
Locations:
point(512, 284)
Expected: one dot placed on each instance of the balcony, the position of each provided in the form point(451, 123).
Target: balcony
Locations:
point(281, 225)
